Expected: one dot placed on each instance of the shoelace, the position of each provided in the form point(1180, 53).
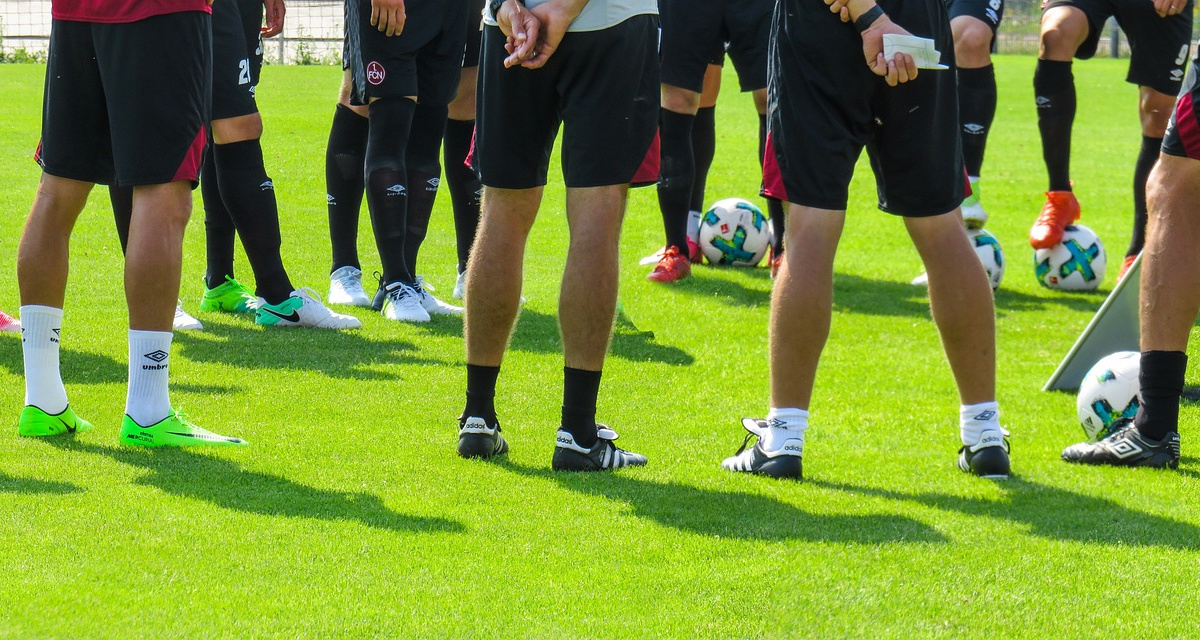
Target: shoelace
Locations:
point(310, 293)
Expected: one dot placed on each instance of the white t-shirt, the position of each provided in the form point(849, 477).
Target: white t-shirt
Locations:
point(598, 14)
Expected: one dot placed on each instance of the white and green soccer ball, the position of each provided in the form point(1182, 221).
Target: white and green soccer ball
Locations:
point(1108, 393)
point(1075, 264)
point(987, 247)
point(734, 232)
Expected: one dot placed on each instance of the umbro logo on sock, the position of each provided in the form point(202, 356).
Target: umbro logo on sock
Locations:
point(329, 199)
point(53, 338)
point(397, 190)
point(157, 356)
point(432, 184)
point(777, 423)
point(267, 186)
point(1043, 102)
point(973, 129)
point(985, 416)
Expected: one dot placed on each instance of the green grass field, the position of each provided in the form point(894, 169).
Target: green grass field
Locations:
point(351, 515)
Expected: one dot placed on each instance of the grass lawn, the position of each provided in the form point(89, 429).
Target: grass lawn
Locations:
point(351, 515)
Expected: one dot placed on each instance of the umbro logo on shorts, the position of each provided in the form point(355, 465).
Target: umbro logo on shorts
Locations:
point(375, 73)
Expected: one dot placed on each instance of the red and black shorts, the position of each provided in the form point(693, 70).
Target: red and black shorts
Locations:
point(694, 30)
point(423, 61)
point(1183, 131)
point(825, 106)
point(1159, 46)
point(237, 57)
point(127, 103)
point(602, 87)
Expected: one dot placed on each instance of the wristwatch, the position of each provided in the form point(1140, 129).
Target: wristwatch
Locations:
point(494, 5)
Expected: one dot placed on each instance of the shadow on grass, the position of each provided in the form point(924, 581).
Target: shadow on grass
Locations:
point(705, 283)
point(730, 514)
point(1053, 513)
point(78, 367)
point(537, 332)
point(889, 298)
point(226, 484)
point(13, 484)
point(338, 354)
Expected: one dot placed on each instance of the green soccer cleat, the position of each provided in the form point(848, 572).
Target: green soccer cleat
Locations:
point(230, 295)
point(37, 423)
point(173, 431)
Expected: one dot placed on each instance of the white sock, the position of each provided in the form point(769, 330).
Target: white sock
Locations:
point(974, 419)
point(693, 229)
point(148, 400)
point(40, 328)
point(784, 424)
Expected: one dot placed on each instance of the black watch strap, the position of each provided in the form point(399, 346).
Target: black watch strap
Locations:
point(494, 5)
point(865, 20)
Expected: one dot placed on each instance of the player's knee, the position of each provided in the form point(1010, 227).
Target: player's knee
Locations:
point(679, 100)
point(237, 129)
point(1155, 111)
point(973, 45)
point(1060, 38)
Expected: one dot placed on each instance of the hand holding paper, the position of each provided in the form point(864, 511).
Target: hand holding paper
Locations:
point(921, 50)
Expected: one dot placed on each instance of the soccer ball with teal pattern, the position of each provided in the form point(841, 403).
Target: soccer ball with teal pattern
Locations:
point(1075, 264)
point(734, 232)
point(1108, 393)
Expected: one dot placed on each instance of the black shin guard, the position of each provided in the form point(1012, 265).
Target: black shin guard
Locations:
point(976, 110)
point(1054, 90)
point(676, 174)
point(466, 192)
point(386, 177)
point(344, 156)
point(1151, 147)
point(424, 175)
point(249, 196)
point(219, 230)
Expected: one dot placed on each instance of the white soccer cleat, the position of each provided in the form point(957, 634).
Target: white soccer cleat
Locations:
point(653, 258)
point(302, 309)
point(184, 321)
point(921, 280)
point(345, 287)
point(402, 302)
point(460, 285)
point(431, 304)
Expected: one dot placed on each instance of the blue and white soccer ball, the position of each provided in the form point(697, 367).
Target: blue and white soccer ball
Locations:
point(1075, 264)
point(987, 247)
point(734, 232)
point(1108, 393)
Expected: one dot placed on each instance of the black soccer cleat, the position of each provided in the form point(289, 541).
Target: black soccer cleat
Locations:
point(602, 456)
point(787, 462)
point(1127, 447)
point(478, 440)
point(988, 458)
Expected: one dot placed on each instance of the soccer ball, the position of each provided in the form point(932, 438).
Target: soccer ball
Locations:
point(1109, 392)
point(734, 232)
point(987, 247)
point(1075, 264)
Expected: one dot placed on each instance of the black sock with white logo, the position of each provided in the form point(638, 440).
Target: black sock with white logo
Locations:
point(344, 154)
point(219, 232)
point(1054, 91)
point(676, 173)
point(976, 110)
point(481, 393)
point(1161, 378)
point(387, 183)
point(249, 196)
point(580, 389)
point(465, 189)
point(424, 176)
point(1151, 147)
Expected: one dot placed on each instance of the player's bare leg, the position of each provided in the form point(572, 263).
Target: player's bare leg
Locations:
point(588, 299)
point(1171, 267)
point(43, 253)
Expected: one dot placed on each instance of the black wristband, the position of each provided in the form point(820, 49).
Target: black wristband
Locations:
point(865, 21)
point(494, 5)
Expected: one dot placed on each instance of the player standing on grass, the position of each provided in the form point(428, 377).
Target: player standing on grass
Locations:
point(691, 31)
point(466, 192)
point(1170, 289)
point(239, 196)
point(1159, 34)
point(404, 66)
point(826, 105)
point(97, 127)
point(593, 67)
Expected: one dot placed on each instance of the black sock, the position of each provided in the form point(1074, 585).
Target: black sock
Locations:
point(219, 231)
point(344, 157)
point(976, 110)
point(386, 179)
point(1151, 147)
point(249, 197)
point(704, 149)
point(465, 188)
point(676, 173)
point(122, 206)
point(424, 175)
point(580, 389)
point(1161, 378)
point(774, 207)
point(481, 392)
point(1054, 90)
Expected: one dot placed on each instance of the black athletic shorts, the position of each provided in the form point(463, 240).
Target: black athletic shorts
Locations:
point(601, 86)
point(237, 57)
point(1183, 131)
point(1159, 46)
point(988, 11)
point(474, 33)
point(127, 103)
point(825, 105)
point(693, 29)
point(423, 61)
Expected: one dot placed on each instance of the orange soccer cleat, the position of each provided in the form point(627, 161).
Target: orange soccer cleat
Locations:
point(671, 266)
point(1125, 266)
point(1060, 210)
